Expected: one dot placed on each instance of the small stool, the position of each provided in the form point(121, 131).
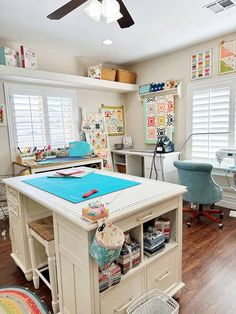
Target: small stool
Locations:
point(42, 230)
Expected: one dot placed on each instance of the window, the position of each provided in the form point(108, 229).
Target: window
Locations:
point(39, 117)
point(212, 111)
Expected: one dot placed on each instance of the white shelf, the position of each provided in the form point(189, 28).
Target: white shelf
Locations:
point(14, 74)
point(172, 91)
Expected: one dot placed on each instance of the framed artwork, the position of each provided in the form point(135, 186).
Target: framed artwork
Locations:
point(114, 118)
point(227, 58)
point(158, 118)
point(201, 64)
point(2, 115)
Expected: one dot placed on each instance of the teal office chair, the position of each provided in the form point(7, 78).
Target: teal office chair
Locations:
point(202, 190)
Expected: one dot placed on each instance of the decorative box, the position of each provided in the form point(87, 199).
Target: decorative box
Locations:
point(98, 72)
point(156, 87)
point(144, 89)
point(163, 224)
point(9, 57)
point(95, 211)
point(129, 255)
point(109, 276)
point(153, 241)
point(28, 58)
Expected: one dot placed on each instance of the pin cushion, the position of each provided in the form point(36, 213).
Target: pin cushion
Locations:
point(95, 211)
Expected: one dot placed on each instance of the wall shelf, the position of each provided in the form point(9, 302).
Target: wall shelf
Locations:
point(172, 91)
point(21, 75)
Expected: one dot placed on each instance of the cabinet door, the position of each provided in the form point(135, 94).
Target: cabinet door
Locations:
point(121, 296)
point(162, 274)
point(16, 236)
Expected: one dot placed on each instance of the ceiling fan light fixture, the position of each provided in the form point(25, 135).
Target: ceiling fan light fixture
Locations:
point(111, 10)
point(114, 18)
point(94, 10)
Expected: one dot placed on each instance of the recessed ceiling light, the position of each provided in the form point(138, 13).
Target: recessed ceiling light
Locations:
point(107, 42)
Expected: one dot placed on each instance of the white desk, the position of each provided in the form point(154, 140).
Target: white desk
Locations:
point(77, 272)
point(138, 162)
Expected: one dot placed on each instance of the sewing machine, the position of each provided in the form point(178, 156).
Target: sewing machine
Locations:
point(226, 153)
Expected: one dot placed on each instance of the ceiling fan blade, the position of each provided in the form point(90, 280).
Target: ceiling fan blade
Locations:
point(65, 9)
point(126, 21)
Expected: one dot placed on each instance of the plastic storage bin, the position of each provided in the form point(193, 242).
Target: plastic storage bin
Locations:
point(154, 302)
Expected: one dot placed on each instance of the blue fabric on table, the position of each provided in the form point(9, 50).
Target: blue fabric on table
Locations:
point(73, 189)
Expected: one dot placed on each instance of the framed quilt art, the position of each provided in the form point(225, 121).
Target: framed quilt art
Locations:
point(201, 64)
point(158, 118)
point(114, 118)
point(227, 59)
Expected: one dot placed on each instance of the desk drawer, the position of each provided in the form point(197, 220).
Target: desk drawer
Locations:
point(12, 195)
point(146, 215)
point(119, 298)
point(162, 274)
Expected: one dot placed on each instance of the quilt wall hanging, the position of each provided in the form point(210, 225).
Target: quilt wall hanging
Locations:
point(114, 118)
point(158, 118)
point(96, 134)
point(227, 59)
point(201, 64)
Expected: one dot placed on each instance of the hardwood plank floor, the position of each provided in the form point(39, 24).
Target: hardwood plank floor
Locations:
point(209, 268)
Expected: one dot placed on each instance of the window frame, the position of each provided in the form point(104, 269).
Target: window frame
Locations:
point(216, 83)
point(43, 91)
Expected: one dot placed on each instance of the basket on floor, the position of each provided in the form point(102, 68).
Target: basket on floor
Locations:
point(154, 302)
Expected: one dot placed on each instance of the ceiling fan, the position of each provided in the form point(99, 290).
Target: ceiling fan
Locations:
point(113, 10)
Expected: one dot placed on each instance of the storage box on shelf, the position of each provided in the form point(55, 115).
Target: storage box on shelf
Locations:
point(125, 76)
point(101, 73)
point(9, 57)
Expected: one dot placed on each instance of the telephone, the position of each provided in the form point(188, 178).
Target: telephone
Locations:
point(164, 145)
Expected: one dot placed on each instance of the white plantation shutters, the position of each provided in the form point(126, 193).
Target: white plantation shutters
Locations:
point(39, 117)
point(60, 120)
point(211, 113)
point(28, 120)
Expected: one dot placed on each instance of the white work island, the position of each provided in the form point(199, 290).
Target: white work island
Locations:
point(78, 274)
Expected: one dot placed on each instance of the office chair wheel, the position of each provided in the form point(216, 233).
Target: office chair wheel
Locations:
point(189, 224)
point(220, 226)
point(221, 215)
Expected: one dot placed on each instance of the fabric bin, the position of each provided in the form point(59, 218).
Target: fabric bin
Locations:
point(106, 244)
point(9, 57)
point(144, 89)
point(125, 76)
point(101, 73)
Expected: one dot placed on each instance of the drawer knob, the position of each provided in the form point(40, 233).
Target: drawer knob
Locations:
point(123, 307)
point(163, 276)
point(145, 217)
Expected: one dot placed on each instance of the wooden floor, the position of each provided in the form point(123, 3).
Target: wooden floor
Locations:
point(209, 268)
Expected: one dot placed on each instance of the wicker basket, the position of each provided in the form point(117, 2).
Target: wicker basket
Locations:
point(154, 302)
point(108, 74)
point(125, 76)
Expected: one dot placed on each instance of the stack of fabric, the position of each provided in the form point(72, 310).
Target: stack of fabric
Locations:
point(154, 241)
point(129, 256)
point(109, 276)
point(163, 224)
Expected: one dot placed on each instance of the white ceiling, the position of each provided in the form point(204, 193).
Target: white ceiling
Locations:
point(160, 26)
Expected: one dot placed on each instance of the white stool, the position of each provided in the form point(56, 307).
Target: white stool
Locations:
point(42, 230)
